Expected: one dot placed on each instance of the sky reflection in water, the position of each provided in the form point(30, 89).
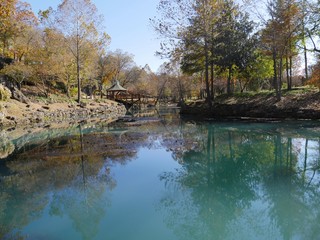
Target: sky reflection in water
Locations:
point(165, 179)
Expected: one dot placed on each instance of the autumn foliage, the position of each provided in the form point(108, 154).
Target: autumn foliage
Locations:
point(315, 78)
point(212, 47)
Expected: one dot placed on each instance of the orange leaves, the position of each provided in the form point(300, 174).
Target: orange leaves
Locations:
point(315, 79)
point(6, 8)
point(15, 18)
point(16, 12)
point(24, 14)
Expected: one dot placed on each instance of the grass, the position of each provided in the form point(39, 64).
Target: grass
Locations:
point(244, 96)
point(299, 90)
point(259, 96)
point(266, 93)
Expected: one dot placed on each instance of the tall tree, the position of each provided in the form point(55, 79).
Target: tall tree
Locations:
point(215, 34)
point(235, 44)
point(304, 37)
point(279, 36)
point(201, 41)
point(79, 22)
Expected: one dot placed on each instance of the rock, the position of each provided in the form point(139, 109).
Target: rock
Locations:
point(3, 112)
point(2, 116)
point(19, 96)
point(10, 118)
point(82, 105)
point(6, 146)
point(38, 120)
point(41, 116)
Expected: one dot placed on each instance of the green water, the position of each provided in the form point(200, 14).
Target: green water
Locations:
point(168, 179)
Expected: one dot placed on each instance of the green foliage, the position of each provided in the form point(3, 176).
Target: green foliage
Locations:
point(219, 35)
point(73, 91)
point(244, 96)
point(4, 93)
point(256, 73)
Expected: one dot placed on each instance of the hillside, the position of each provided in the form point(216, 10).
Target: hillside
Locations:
point(27, 109)
point(297, 104)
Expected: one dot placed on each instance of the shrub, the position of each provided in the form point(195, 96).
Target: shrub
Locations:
point(73, 91)
point(4, 93)
point(315, 78)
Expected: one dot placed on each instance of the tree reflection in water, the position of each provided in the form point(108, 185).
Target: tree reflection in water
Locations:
point(74, 169)
point(234, 181)
point(242, 182)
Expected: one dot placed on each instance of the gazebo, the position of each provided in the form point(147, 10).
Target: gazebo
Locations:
point(115, 90)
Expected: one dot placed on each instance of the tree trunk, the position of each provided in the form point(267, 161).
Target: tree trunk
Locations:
point(78, 80)
point(279, 85)
point(275, 75)
point(78, 64)
point(208, 99)
point(212, 79)
point(68, 86)
point(229, 92)
point(304, 11)
point(305, 62)
point(287, 72)
point(290, 72)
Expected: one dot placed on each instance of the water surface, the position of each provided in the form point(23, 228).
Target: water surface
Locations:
point(167, 179)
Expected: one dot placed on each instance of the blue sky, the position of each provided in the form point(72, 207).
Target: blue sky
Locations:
point(127, 22)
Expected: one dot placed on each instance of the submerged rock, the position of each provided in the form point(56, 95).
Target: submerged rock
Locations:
point(6, 146)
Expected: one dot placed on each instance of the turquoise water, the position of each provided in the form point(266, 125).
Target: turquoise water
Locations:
point(167, 179)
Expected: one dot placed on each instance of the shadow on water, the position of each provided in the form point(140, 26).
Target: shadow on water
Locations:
point(234, 180)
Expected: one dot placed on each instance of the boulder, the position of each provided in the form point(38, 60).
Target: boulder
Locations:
point(19, 96)
point(2, 113)
point(6, 146)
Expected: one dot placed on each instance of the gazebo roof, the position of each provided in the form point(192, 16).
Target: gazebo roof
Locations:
point(116, 87)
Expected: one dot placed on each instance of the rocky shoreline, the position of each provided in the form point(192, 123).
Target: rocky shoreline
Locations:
point(17, 114)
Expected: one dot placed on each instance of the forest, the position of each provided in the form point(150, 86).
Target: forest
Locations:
point(212, 47)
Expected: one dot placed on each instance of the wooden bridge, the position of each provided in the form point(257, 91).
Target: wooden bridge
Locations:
point(119, 94)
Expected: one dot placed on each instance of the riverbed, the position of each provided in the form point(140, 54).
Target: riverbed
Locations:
point(155, 176)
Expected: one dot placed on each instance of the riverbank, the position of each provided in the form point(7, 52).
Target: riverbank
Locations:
point(17, 114)
point(296, 104)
